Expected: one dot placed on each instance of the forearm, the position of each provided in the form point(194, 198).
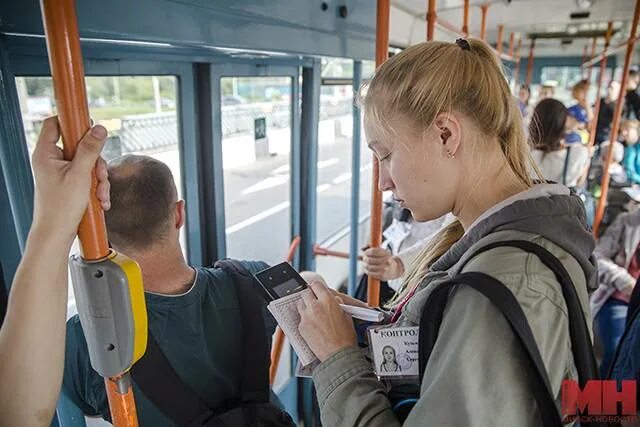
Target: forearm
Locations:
point(349, 394)
point(32, 337)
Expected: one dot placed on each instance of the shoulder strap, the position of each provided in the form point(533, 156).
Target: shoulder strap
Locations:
point(174, 398)
point(255, 347)
point(506, 302)
point(566, 166)
point(161, 385)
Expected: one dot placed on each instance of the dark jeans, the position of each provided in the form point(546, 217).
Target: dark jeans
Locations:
point(609, 325)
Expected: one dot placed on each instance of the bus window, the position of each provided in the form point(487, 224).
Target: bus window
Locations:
point(138, 111)
point(256, 144)
point(335, 132)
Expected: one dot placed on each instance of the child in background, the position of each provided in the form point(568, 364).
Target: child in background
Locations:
point(631, 162)
point(577, 119)
point(616, 169)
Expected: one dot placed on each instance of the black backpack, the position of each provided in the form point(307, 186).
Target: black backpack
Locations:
point(506, 302)
point(162, 386)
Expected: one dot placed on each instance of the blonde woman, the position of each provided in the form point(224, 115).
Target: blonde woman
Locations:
point(449, 138)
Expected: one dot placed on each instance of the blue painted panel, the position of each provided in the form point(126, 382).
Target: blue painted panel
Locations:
point(284, 26)
point(355, 182)
point(14, 158)
point(540, 62)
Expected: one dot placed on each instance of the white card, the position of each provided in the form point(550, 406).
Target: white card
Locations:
point(395, 351)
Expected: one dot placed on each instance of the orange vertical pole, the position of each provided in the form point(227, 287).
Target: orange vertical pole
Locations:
point(511, 42)
point(499, 42)
point(593, 54)
point(465, 19)
point(483, 26)
point(431, 19)
point(67, 71)
point(603, 68)
point(382, 48)
point(530, 63)
point(516, 71)
point(616, 121)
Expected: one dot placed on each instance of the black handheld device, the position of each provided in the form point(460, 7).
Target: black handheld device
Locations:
point(280, 280)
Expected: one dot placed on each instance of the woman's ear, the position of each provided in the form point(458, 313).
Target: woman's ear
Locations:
point(449, 129)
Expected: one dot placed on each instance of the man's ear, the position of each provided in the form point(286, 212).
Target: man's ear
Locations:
point(180, 214)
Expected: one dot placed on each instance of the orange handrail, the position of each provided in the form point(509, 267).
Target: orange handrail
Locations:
point(499, 41)
point(512, 38)
point(67, 71)
point(611, 51)
point(530, 63)
point(616, 122)
point(584, 54)
point(593, 53)
point(603, 67)
point(516, 71)
point(382, 47)
point(292, 248)
point(447, 26)
point(318, 250)
point(465, 19)
point(431, 19)
point(483, 25)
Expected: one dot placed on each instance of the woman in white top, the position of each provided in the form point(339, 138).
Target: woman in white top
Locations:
point(557, 161)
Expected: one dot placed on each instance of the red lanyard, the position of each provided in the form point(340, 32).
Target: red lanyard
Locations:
point(398, 311)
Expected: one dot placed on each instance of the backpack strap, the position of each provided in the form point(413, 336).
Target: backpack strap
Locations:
point(566, 166)
point(168, 392)
point(503, 298)
point(256, 356)
point(165, 389)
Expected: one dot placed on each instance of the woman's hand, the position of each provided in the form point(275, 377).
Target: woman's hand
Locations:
point(312, 276)
point(323, 325)
point(381, 265)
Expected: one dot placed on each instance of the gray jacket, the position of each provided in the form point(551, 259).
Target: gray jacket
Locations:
point(476, 373)
point(614, 252)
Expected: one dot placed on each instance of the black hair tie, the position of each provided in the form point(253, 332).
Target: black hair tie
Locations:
point(464, 44)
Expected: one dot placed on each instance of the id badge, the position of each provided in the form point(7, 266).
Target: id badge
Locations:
point(395, 351)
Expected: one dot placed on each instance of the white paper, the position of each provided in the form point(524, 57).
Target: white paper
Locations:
point(285, 311)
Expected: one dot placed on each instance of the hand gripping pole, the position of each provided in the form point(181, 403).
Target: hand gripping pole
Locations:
point(108, 286)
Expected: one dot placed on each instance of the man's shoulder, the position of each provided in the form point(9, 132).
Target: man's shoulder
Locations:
point(215, 274)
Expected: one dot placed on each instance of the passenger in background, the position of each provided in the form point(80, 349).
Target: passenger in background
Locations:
point(629, 137)
point(577, 121)
point(618, 254)
point(524, 95)
point(32, 335)
point(616, 169)
point(557, 161)
point(632, 98)
point(547, 90)
point(605, 114)
point(579, 91)
point(404, 238)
